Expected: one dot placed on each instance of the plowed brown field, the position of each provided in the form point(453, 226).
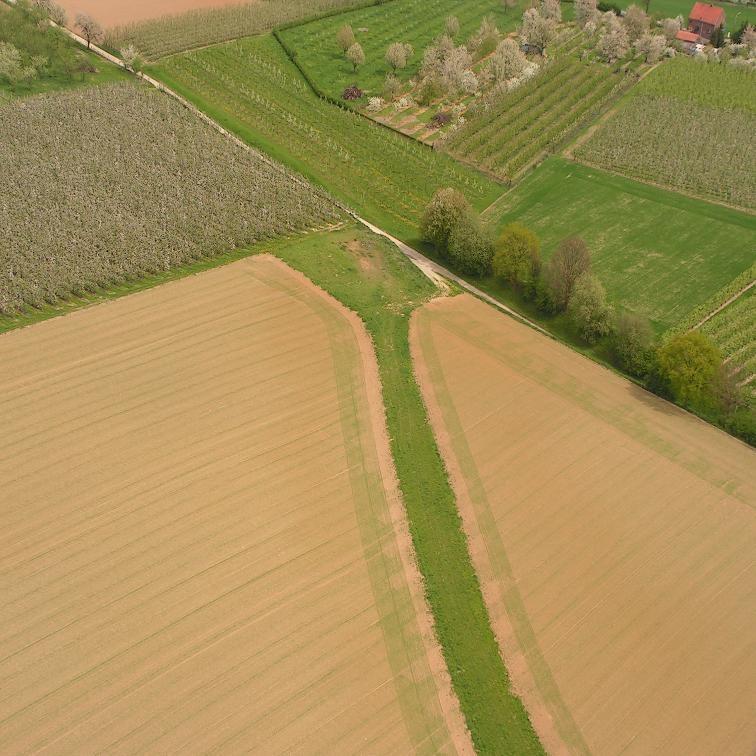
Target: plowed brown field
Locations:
point(202, 544)
point(114, 12)
point(615, 538)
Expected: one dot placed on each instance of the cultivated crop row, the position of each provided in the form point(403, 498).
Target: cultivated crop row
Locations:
point(206, 26)
point(733, 330)
point(128, 183)
point(522, 126)
point(689, 126)
point(701, 150)
point(254, 89)
point(727, 292)
point(716, 86)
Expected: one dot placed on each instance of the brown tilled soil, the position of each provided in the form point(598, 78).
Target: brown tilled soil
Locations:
point(613, 533)
point(202, 545)
point(115, 12)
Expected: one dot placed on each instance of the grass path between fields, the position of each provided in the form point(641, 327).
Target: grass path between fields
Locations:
point(383, 288)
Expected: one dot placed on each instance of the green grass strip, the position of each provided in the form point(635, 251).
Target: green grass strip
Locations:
point(496, 718)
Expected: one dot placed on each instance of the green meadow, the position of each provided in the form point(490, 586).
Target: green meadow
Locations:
point(657, 252)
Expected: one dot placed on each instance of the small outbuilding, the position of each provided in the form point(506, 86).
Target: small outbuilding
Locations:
point(705, 19)
point(690, 42)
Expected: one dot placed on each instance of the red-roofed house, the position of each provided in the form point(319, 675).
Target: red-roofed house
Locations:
point(690, 41)
point(704, 19)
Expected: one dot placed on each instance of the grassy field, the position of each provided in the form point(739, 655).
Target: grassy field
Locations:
point(252, 88)
point(733, 330)
point(687, 125)
point(614, 534)
point(66, 64)
point(514, 130)
point(417, 22)
point(178, 191)
point(657, 252)
point(215, 528)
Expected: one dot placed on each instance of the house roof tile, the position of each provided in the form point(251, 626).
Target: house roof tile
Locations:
point(686, 36)
point(709, 14)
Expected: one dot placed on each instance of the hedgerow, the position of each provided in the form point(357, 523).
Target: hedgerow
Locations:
point(127, 183)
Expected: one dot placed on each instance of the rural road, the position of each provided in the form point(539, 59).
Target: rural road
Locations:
point(435, 272)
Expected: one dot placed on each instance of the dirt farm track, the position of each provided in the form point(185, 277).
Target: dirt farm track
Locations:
point(202, 542)
point(614, 535)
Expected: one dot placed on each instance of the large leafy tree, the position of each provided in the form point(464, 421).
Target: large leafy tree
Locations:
point(517, 258)
point(690, 365)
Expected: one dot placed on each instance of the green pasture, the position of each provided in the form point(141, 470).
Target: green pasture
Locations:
point(657, 252)
point(417, 22)
point(253, 89)
point(66, 64)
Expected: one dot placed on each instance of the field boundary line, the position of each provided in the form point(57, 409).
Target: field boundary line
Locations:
point(510, 622)
point(724, 304)
point(377, 423)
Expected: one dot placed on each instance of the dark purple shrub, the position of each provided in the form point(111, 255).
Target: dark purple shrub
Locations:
point(352, 93)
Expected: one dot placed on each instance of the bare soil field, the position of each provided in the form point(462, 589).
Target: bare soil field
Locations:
point(114, 12)
point(202, 541)
point(614, 536)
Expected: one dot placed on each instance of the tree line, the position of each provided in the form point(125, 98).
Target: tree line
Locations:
point(686, 368)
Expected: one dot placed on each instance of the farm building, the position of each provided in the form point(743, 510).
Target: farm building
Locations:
point(690, 41)
point(705, 19)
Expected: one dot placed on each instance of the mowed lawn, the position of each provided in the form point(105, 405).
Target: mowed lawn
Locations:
point(614, 534)
point(252, 88)
point(417, 22)
point(657, 252)
point(202, 542)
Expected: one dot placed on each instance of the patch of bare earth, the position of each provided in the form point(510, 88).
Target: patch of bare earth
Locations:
point(115, 12)
point(613, 533)
point(202, 542)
